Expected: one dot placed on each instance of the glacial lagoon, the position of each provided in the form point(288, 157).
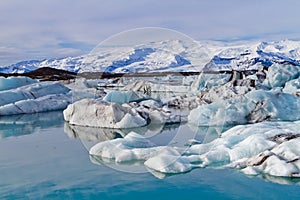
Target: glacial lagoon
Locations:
point(42, 157)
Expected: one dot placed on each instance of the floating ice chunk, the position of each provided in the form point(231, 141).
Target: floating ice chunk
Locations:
point(292, 87)
point(98, 113)
point(151, 103)
point(278, 167)
point(41, 104)
point(33, 98)
point(272, 164)
point(31, 91)
point(121, 97)
point(250, 171)
point(255, 106)
point(159, 87)
point(252, 145)
point(226, 91)
point(207, 81)
point(132, 147)
point(243, 141)
point(269, 148)
point(160, 117)
point(278, 75)
point(289, 150)
point(14, 82)
point(169, 161)
point(135, 147)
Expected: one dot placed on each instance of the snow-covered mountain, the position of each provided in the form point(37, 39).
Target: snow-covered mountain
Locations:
point(255, 55)
point(68, 64)
point(172, 55)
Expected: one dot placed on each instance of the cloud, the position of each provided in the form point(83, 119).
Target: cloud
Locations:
point(41, 28)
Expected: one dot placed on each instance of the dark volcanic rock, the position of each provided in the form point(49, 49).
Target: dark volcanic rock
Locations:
point(46, 74)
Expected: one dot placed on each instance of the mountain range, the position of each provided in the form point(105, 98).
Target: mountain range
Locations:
point(172, 56)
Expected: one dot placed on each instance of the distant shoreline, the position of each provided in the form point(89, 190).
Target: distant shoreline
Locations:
point(52, 74)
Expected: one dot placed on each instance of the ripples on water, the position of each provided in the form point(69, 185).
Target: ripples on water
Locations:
point(42, 157)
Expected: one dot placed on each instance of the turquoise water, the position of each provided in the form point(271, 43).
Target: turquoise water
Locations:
point(39, 160)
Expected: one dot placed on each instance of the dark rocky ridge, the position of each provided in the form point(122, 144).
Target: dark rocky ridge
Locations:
point(52, 74)
point(46, 74)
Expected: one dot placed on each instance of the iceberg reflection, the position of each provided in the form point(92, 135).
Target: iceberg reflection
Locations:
point(24, 124)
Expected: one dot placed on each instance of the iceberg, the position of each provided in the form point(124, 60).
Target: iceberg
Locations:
point(121, 97)
point(278, 75)
point(169, 161)
point(14, 82)
point(32, 91)
point(255, 106)
point(207, 81)
point(42, 104)
point(263, 148)
point(99, 113)
point(292, 87)
point(132, 147)
point(269, 148)
point(33, 98)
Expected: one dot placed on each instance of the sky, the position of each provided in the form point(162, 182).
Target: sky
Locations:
point(39, 29)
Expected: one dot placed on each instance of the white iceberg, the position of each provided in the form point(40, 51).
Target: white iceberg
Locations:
point(41, 104)
point(132, 147)
point(83, 88)
point(33, 98)
point(99, 113)
point(32, 91)
point(270, 148)
point(255, 106)
point(292, 87)
point(168, 160)
point(121, 97)
point(14, 82)
point(264, 148)
point(207, 81)
point(278, 75)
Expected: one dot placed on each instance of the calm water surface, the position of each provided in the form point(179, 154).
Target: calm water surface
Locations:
point(41, 158)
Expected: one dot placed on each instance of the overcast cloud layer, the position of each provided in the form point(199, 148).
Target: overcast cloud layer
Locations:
point(37, 29)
